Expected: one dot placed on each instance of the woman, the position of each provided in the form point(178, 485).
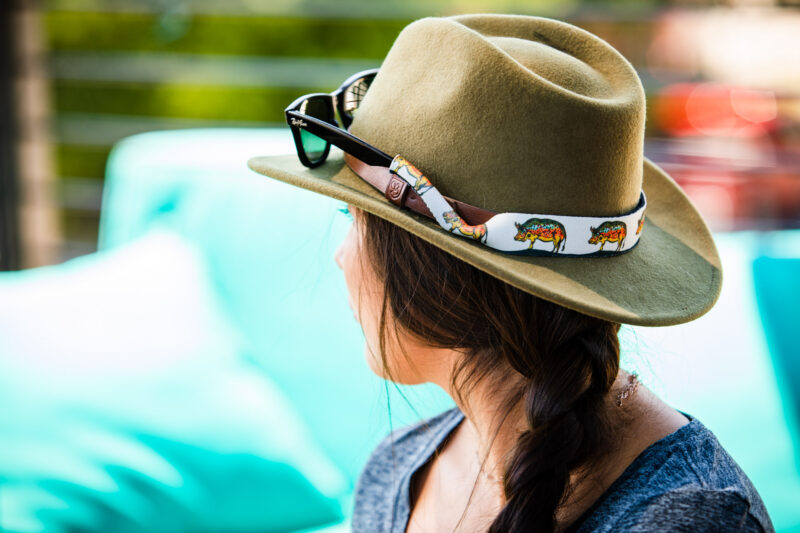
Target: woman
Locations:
point(496, 256)
point(528, 428)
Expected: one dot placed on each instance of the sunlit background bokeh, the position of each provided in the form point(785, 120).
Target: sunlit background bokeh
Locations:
point(187, 361)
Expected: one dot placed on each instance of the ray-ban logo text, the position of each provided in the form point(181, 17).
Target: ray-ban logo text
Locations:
point(298, 122)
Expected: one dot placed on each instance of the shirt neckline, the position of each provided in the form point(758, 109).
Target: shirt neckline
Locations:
point(402, 507)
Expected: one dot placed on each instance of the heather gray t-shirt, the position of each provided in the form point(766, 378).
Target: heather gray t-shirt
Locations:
point(685, 482)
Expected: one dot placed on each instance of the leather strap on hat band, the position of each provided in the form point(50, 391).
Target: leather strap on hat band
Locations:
point(404, 185)
point(401, 194)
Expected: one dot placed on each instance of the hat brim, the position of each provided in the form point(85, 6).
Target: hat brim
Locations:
point(672, 276)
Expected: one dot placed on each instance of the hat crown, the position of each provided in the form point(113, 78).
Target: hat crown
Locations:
point(511, 113)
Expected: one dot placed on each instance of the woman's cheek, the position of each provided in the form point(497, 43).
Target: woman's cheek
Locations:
point(369, 312)
point(361, 298)
point(345, 258)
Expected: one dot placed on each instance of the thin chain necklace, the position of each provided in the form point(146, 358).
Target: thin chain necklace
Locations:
point(630, 388)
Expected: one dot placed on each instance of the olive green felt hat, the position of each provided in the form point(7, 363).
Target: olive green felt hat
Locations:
point(529, 115)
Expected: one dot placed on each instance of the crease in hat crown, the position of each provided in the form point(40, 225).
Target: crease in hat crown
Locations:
point(512, 114)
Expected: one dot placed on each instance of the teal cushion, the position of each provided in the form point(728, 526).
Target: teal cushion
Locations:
point(777, 284)
point(132, 405)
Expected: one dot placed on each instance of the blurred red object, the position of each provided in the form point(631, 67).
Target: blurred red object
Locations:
point(686, 109)
point(735, 183)
point(733, 150)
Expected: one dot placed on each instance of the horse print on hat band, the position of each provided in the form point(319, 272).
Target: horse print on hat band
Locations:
point(535, 234)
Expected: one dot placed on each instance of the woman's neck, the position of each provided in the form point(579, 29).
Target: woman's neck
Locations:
point(489, 433)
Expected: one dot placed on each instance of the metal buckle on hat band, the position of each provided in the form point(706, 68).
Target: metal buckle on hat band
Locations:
point(520, 233)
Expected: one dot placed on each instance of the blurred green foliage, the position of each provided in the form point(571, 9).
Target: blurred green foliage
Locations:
point(237, 35)
point(263, 104)
point(133, 32)
point(81, 161)
point(79, 225)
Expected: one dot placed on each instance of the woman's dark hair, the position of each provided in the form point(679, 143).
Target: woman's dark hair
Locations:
point(565, 363)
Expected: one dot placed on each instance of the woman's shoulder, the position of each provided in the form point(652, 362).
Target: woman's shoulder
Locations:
point(686, 481)
point(695, 508)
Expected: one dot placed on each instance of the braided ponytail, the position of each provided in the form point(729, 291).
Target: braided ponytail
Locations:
point(564, 362)
point(570, 374)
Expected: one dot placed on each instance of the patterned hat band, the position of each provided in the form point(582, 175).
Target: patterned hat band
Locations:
point(516, 233)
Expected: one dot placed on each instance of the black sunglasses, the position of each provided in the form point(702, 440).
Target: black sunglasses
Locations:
point(312, 119)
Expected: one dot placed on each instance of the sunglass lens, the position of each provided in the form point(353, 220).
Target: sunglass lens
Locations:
point(314, 146)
